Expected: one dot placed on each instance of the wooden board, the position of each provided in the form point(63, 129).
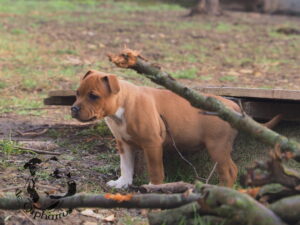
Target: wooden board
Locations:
point(60, 97)
point(267, 110)
point(274, 94)
point(258, 103)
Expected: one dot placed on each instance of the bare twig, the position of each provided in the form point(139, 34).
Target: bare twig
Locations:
point(32, 134)
point(10, 188)
point(39, 151)
point(175, 187)
point(177, 150)
point(209, 113)
point(211, 173)
point(241, 107)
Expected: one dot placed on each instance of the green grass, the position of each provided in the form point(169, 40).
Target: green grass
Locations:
point(20, 106)
point(66, 51)
point(30, 6)
point(38, 8)
point(129, 220)
point(224, 27)
point(100, 129)
point(3, 84)
point(228, 78)
point(18, 31)
point(9, 147)
point(186, 74)
point(206, 77)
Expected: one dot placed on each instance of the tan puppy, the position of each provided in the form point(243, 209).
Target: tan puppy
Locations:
point(134, 115)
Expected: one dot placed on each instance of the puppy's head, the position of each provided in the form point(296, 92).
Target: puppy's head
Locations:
point(96, 96)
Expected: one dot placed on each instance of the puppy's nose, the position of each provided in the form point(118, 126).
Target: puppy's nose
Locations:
point(75, 110)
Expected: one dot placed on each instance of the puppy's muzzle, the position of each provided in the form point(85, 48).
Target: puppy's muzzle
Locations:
point(75, 111)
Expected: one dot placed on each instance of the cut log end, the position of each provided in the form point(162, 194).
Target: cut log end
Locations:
point(126, 59)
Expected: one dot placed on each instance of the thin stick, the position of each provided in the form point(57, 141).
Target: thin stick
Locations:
point(211, 173)
point(179, 153)
point(32, 133)
point(10, 188)
point(39, 151)
point(47, 187)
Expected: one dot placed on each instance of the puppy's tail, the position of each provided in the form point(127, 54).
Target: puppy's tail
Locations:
point(274, 121)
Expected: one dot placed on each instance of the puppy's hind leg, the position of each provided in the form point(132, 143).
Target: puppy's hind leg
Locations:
point(220, 153)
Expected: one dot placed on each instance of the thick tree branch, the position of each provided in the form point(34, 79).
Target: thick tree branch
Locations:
point(271, 171)
point(287, 208)
point(149, 201)
point(133, 60)
point(235, 206)
point(176, 187)
point(225, 203)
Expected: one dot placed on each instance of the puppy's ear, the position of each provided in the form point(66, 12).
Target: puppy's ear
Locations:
point(112, 83)
point(88, 73)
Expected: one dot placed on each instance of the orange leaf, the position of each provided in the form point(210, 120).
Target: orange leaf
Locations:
point(118, 197)
point(251, 191)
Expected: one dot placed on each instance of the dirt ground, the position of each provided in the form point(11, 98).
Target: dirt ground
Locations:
point(49, 45)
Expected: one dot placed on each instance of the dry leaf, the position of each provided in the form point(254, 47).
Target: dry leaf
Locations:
point(73, 61)
point(144, 212)
point(233, 73)
point(91, 213)
point(247, 71)
point(40, 145)
point(251, 191)
point(257, 74)
point(89, 223)
point(110, 218)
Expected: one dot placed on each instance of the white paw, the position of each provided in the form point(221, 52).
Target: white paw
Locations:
point(120, 183)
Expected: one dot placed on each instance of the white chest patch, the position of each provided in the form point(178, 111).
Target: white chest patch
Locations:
point(120, 113)
point(118, 128)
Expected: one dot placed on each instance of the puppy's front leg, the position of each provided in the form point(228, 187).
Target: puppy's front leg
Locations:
point(154, 157)
point(127, 168)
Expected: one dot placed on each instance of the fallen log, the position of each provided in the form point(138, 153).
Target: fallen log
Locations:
point(133, 60)
point(270, 171)
point(273, 192)
point(237, 207)
point(287, 208)
point(233, 206)
point(149, 201)
point(176, 187)
point(175, 216)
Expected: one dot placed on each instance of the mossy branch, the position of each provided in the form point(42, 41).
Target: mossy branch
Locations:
point(149, 201)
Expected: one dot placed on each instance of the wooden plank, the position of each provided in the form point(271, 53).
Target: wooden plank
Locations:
point(60, 100)
point(257, 103)
point(275, 94)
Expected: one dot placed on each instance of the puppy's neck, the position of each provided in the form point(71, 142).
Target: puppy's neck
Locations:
point(118, 116)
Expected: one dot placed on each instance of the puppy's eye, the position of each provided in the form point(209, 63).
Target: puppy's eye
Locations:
point(93, 96)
